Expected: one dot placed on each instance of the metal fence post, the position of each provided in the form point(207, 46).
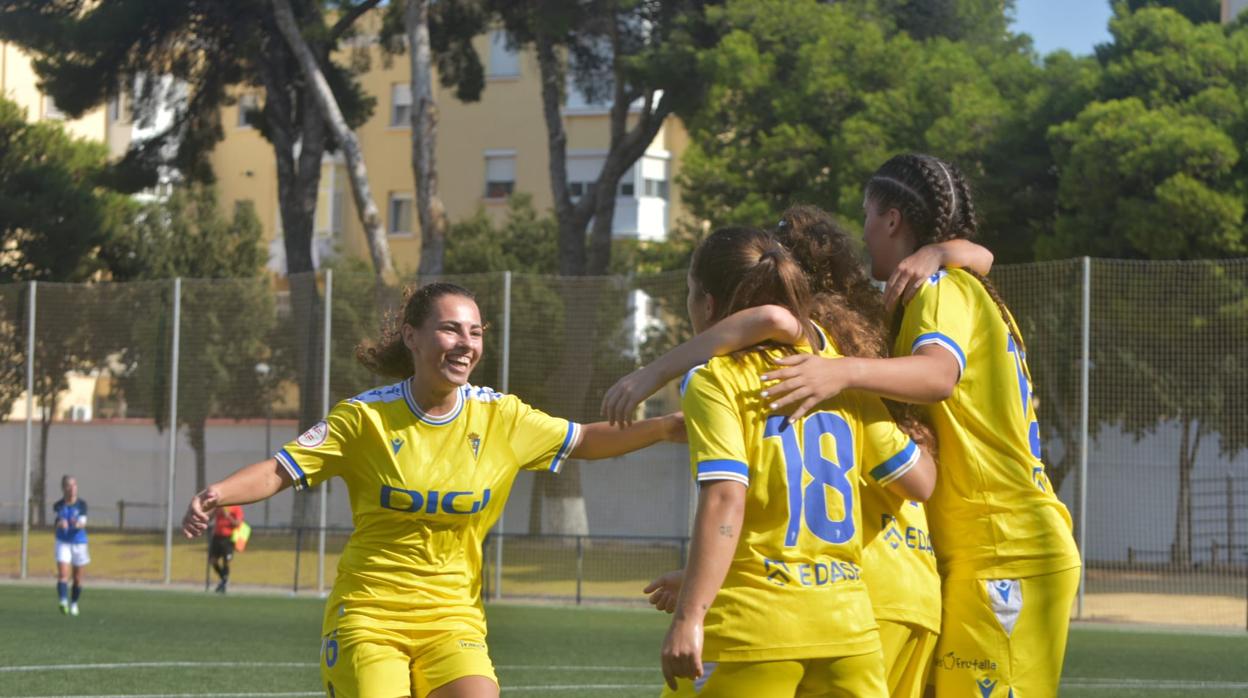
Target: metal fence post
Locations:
point(298, 549)
point(1084, 366)
point(30, 426)
point(1230, 522)
point(173, 426)
point(324, 495)
point(504, 380)
point(580, 567)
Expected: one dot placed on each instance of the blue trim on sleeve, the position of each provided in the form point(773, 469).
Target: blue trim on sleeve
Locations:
point(570, 441)
point(898, 465)
point(296, 473)
point(724, 469)
point(943, 341)
point(684, 382)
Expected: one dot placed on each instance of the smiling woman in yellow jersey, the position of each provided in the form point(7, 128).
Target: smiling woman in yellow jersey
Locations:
point(773, 599)
point(1002, 538)
point(428, 462)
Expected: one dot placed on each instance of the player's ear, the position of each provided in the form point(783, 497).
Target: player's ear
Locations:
point(892, 218)
point(409, 336)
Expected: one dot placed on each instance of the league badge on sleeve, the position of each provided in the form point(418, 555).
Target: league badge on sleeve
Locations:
point(314, 436)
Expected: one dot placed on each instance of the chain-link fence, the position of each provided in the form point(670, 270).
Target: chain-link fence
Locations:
point(1148, 360)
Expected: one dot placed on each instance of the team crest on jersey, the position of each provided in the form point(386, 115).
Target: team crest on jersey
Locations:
point(888, 523)
point(474, 440)
point(315, 436)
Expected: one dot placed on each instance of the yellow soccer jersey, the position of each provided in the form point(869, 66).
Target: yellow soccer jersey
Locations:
point(994, 514)
point(898, 562)
point(424, 491)
point(794, 589)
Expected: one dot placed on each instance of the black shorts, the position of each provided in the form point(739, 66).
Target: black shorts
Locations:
point(221, 546)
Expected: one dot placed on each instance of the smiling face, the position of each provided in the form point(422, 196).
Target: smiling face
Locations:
point(447, 346)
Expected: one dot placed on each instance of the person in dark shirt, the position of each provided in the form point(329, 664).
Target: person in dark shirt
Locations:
point(71, 544)
point(221, 547)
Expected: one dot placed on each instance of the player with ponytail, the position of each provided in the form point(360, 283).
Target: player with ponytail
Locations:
point(773, 601)
point(1002, 537)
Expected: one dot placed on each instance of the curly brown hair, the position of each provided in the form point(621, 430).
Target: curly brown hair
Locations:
point(845, 302)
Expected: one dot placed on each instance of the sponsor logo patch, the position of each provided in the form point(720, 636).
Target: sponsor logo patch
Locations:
point(315, 436)
point(951, 661)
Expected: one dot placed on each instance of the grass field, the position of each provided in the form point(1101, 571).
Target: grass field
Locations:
point(140, 642)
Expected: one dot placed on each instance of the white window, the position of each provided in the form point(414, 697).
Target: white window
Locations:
point(247, 104)
point(628, 184)
point(504, 60)
point(654, 177)
point(400, 105)
point(331, 201)
point(338, 202)
point(400, 214)
point(500, 174)
point(114, 109)
point(49, 109)
point(583, 170)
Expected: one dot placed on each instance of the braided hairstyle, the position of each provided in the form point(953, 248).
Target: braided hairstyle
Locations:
point(845, 302)
point(388, 355)
point(934, 198)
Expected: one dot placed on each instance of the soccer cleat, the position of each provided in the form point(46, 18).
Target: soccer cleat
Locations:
point(64, 607)
point(73, 609)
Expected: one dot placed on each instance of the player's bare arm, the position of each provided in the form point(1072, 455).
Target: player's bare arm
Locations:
point(716, 529)
point(911, 272)
point(601, 440)
point(742, 329)
point(803, 380)
point(252, 483)
point(919, 481)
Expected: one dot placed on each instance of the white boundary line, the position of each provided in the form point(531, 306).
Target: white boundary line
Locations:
point(1156, 685)
point(302, 665)
point(1139, 684)
point(1071, 682)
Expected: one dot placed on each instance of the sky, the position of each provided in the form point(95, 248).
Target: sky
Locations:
point(1074, 25)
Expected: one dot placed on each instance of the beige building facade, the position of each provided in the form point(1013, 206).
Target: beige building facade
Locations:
point(486, 151)
point(18, 83)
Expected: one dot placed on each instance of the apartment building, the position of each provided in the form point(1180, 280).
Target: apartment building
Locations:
point(486, 151)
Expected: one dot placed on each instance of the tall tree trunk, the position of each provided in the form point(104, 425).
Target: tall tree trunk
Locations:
point(298, 135)
point(199, 444)
point(557, 502)
point(318, 87)
point(572, 218)
point(429, 208)
point(39, 484)
point(1181, 548)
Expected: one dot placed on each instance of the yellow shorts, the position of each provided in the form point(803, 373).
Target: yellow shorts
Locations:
point(908, 653)
point(382, 663)
point(1003, 637)
point(860, 676)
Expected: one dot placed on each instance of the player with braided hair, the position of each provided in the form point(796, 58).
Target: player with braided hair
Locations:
point(898, 562)
point(1002, 537)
